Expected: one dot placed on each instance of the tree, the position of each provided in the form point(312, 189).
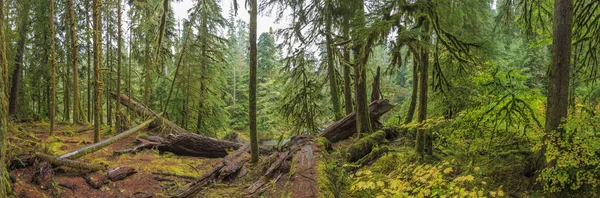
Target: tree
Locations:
point(119, 58)
point(52, 64)
point(331, 70)
point(97, 21)
point(4, 180)
point(16, 77)
point(361, 51)
point(252, 90)
point(557, 104)
point(77, 114)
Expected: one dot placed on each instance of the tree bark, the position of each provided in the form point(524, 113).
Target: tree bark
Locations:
point(53, 70)
point(97, 68)
point(74, 56)
point(16, 77)
point(346, 127)
point(252, 95)
point(333, 89)
point(119, 58)
point(422, 136)
point(415, 88)
point(346, 70)
point(161, 29)
point(376, 88)
point(5, 188)
point(89, 70)
point(361, 55)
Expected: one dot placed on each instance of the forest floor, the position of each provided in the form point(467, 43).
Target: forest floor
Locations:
point(158, 174)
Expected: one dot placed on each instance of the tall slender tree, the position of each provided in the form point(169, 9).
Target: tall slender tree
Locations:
point(16, 77)
point(97, 18)
point(52, 63)
point(331, 70)
point(361, 54)
point(77, 115)
point(252, 94)
point(119, 58)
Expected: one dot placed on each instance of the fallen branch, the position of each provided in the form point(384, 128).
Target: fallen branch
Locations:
point(69, 163)
point(97, 146)
point(120, 173)
point(174, 175)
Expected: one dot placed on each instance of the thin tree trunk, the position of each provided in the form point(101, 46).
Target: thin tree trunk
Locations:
point(347, 83)
point(422, 136)
point(110, 70)
point(163, 20)
point(376, 88)
point(97, 17)
point(333, 89)
point(119, 45)
point(16, 77)
point(129, 68)
point(252, 94)
point(5, 189)
point(147, 79)
point(89, 70)
point(52, 63)
point(74, 56)
point(413, 97)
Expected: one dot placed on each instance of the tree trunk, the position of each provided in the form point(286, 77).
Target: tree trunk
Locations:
point(52, 63)
point(252, 95)
point(363, 123)
point(110, 73)
point(557, 103)
point(161, 33)
point(333, 89)
point(16, 77)
point(119, 57)
point(74, 56)
point(5, 188)
point(99, 145)
point(97, 17)
point(376, 88)
point(347, 83)
point(147, 71)
point(415, 88)
point(69, 163)
point(422, 136)
point(89, 70)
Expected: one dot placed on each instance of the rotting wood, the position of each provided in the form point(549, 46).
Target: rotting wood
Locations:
point(97, 146)
point(232, 163)
point(95, 180)
point(120, 173)
point(69, 163)
point(187, 177)
point(346, 127)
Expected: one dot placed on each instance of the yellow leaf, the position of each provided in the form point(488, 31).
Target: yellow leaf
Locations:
point(500, 193)
point(493, 193)
point(380, 196)
point(448, 170)
point(380, 184)
point(476, 168)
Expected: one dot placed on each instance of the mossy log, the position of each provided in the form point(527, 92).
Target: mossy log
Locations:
point(230, 164)
point(346, 127)
point(97, 146)
point(364, 146)
point(142, 110)
point(120, 173)
point(69, 163)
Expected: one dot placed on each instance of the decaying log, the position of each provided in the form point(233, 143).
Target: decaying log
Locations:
point(97, 146)
point(120, 173)
point(231, 164)
point(346, 127)
point(95, 180)
point(362, 147)
point(186, 177)
point(181, 142)
point(69, 163)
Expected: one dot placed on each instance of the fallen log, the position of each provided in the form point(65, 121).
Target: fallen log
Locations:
point(346, 127)
point(120, 173)
point(69, 163)
point(97, 146)
point(233, 163)
point(181, 142)
point(95, 180)
point(186, 177)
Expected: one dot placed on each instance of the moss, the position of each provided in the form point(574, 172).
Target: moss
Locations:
point(323, 143)
point(364, 146)
point(55, 147)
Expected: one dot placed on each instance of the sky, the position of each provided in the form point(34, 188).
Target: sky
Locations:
point(264, 22)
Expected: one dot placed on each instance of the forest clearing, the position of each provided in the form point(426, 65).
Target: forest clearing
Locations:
point(303, 98)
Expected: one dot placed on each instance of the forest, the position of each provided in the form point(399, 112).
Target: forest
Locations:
point(338, 98)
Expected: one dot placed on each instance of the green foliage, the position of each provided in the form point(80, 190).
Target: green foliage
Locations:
point(574, 156)
point(396, 176)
